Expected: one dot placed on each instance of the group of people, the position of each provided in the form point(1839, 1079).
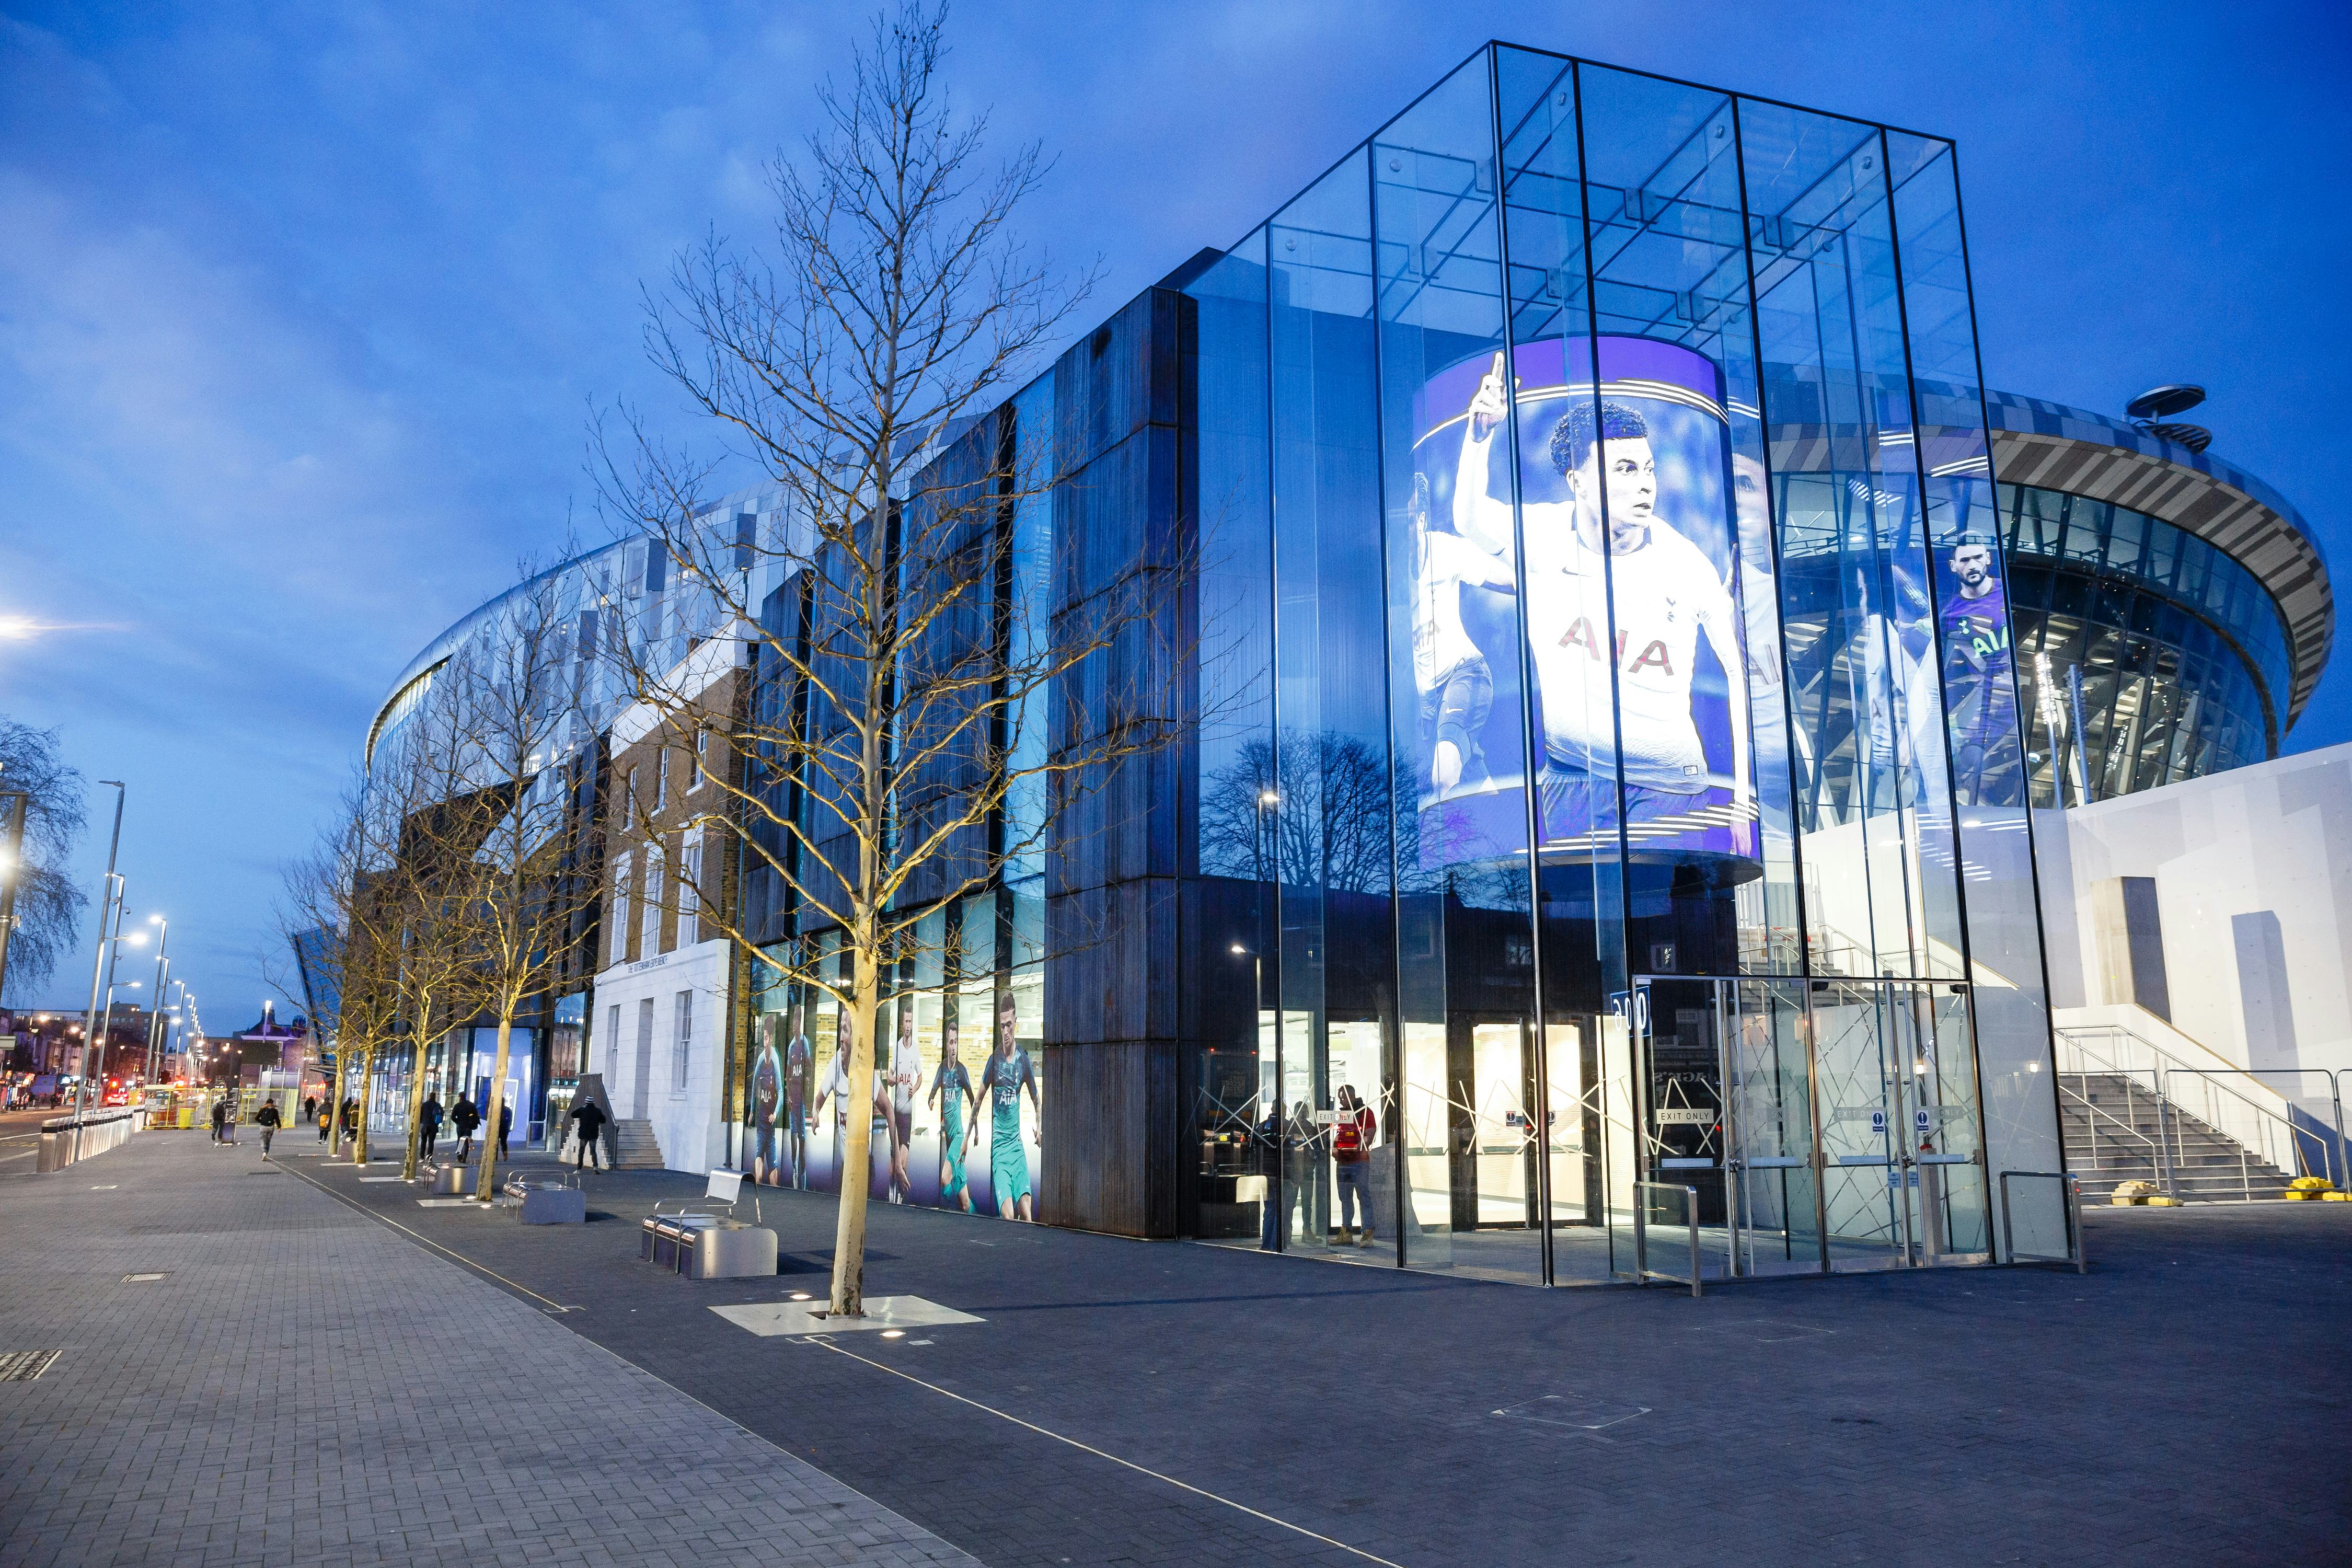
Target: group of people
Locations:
point(464, 1117)
point(1291, 1148)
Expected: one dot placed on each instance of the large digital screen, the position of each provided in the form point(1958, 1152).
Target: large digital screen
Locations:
point(1629, 525)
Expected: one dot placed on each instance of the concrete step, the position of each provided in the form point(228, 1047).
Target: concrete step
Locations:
point(634, 1147)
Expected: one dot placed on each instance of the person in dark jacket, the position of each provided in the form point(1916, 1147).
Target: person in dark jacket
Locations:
point(220, 1119)
point(463, 1119)
point(428, 1122)
point(326, 1121)
point(506, 1125)
point(268, 1120)
point(588, 1117)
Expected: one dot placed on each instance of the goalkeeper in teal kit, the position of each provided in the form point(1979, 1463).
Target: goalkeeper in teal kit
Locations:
point(1001, 1078)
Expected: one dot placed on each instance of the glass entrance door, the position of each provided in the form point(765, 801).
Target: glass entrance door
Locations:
point(1769, 1112)
point(1902, 1168)
point(1824, 1125)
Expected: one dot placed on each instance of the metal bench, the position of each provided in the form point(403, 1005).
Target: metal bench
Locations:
point(706, 1245)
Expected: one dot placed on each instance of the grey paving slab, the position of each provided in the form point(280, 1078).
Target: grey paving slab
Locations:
point(307, 1387)
point(2182, 1405)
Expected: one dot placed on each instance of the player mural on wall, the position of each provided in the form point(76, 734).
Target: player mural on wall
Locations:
point(766, 1096)
point(1002, 1078)
point(905, 1080)
point(959, 1106)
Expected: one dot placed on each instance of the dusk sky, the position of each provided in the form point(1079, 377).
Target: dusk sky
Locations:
point(303, 309)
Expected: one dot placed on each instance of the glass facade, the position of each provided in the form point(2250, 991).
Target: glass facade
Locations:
point(1613, 814)
point(2147, 655)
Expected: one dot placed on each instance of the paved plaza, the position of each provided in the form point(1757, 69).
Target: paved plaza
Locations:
point(1124, 1402)
point(250, 1372)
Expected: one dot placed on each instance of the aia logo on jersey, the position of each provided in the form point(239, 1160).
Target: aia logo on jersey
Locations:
point(1580, 634)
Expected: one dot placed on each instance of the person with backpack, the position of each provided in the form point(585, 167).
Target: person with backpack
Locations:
point(589, 1118)
point(1351, 1151)
point(428, 1123)
point(464, 1119)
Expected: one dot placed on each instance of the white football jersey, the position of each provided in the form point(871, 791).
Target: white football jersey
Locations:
point(1665, 591)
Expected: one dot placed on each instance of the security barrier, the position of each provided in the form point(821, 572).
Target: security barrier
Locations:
point(67, 1138)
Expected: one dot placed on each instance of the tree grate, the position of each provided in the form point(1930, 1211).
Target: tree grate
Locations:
point(23, 1366)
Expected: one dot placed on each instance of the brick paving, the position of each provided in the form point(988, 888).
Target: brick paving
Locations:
point(304, 1386)
point(2184, 1404)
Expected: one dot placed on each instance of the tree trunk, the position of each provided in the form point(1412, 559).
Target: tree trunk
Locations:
point(420, 1030)
point(359, 1122)
point(492, 1102)
point(848, 1299)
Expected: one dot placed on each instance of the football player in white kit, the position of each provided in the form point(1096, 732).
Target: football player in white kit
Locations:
point(1667, 593)
point(1455, 684)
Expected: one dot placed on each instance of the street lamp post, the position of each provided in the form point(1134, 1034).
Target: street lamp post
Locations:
point(98, 963)
point(11, 874)
point(163, 978)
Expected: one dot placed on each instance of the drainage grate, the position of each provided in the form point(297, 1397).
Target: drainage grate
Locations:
point(23, 1366)
point(140, 1278)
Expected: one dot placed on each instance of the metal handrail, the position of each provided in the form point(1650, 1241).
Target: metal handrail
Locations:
point(2096, 1110)
point(2263, 1141)
point(2070, 1186)
point(1642, 1272)
point(2295, 1135)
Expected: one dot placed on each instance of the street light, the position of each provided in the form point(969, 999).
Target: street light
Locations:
point(98, 964)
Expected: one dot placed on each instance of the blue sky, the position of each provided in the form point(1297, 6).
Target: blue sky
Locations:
point(302, 308)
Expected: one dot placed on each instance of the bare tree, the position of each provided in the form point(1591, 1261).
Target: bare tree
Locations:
point(350, 974)
point(42, 907)
point(492, 861)
point(923, 718)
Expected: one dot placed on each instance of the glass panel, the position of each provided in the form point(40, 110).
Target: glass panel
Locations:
point(1873, 795)
point(1466, 952)
point(1769, 1107)
point(1952, 1218)
point(1228, 911)
point(1994, 831)
point(1678, 470)
point(1683, 1122)
point(1570, 701)
point(1860, 1112)
point(1329, 830)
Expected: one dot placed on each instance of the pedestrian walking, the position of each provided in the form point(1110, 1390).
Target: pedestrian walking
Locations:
point(326, 1121)
point(464, 1117)
point(310, 1106)
point(589, 1118)
point(428, 1122)
point(506, 1125)
point(220, 1116)
point(268, 1120)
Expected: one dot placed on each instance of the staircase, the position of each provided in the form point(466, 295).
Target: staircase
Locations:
point(634, 1147)
point(2110, 1123)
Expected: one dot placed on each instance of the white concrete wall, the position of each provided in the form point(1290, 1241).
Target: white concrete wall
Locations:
point(687, 1121)
point(2253, 879)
